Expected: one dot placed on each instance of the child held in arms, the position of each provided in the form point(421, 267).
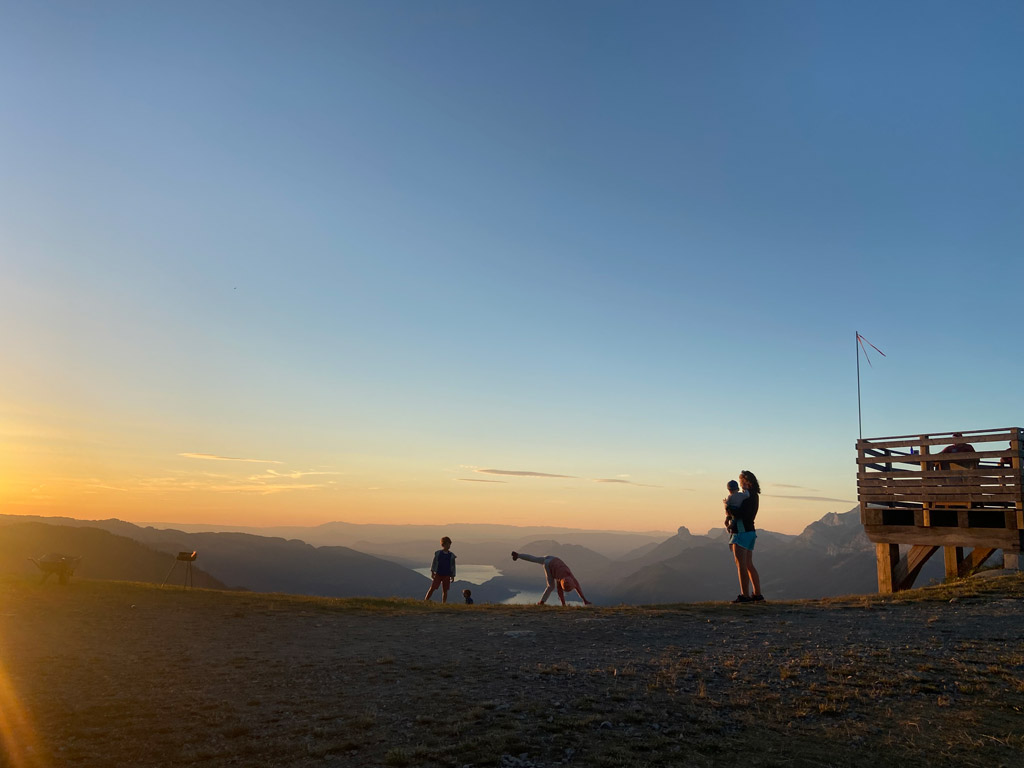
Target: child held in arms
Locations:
point(442, 570)
point(732, 504)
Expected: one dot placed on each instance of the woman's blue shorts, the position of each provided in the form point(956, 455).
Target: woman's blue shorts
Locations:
point(745, 539)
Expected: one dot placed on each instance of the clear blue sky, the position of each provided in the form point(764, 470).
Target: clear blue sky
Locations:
point(385, 245)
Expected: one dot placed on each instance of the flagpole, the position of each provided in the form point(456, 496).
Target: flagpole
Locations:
point(856, 349)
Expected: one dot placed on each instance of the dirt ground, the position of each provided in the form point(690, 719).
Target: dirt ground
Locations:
point(107, 674)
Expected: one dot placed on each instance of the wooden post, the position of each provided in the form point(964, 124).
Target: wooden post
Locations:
point(925, 518)
point(953, 557)
point(1011, 560)
point(888, 558)
point(1018, 512)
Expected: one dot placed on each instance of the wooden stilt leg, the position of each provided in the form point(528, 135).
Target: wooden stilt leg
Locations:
point(909, 566)
point(888, 556)
point(953, 557)
point(975, 560)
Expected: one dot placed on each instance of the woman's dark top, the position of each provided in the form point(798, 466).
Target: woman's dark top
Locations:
point(748, 511)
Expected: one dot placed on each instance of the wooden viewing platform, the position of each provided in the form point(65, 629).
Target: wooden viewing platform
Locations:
point(913, 493)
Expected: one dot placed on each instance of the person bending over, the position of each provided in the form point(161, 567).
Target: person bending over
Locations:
point(558, 576)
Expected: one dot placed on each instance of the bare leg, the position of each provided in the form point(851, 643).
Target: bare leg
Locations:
point(755, 577)
point(430, 592)
point(746, 561)
point(741, 571)
point(547, 592)
point(444, 592)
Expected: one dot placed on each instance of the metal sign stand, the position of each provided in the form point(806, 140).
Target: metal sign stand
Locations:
point(183, 557)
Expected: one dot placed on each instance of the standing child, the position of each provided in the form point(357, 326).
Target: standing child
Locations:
point(733, 502)
point(442, 570)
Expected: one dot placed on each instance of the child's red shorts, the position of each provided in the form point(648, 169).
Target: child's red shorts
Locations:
point(439, 580)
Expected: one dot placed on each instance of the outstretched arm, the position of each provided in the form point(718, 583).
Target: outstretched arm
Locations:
point(530, 558)
point(583, 597)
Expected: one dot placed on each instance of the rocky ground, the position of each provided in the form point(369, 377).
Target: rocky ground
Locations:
point(108, 674)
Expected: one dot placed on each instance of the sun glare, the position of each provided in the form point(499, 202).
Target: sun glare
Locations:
point(16, 730)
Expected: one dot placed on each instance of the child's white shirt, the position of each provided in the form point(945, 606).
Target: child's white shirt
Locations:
point(736, 499)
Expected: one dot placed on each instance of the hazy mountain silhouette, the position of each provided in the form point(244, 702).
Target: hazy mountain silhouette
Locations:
point(411, 541)
point(104, 554)
point(267, 564)
point(832, 556)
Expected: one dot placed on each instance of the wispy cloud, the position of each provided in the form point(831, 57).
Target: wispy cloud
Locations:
point(519, 473)
point(812, 498)
point(479, 480)
point(625, 482)
point(224, 485)
point(271, 474)
point(794, 487)
point(214, 457)
point(617, 480)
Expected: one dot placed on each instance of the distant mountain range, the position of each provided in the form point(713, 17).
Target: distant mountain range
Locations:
point(104, 554)
point(832, 556)
point(411, 541)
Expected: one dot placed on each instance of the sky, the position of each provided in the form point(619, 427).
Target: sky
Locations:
point(572, 263)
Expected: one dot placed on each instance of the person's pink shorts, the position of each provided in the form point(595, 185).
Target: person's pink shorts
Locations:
point(570, 584)
point(445, 581)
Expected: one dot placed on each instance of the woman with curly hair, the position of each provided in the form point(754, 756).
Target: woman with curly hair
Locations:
point(742, 541)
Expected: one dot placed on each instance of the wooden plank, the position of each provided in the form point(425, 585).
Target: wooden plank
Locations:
point(944, 537)
point(994, 470)
point(887, 556)
point(982, 499)
point(909, 567)
point(941, 480)
point(910, 489)
point(1011, 561)
point(910, 485)
point(932, 457)
point(974, 500)
point(995, 475)
point(983, 494)
point(951, 489)
point(939, 438)
point(870, 516)
point(995, 510)
point(945, 487)
point(949, 498)
point(952, 558)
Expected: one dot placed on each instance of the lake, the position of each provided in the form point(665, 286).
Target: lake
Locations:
point(474, 574)
point(478, 574)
